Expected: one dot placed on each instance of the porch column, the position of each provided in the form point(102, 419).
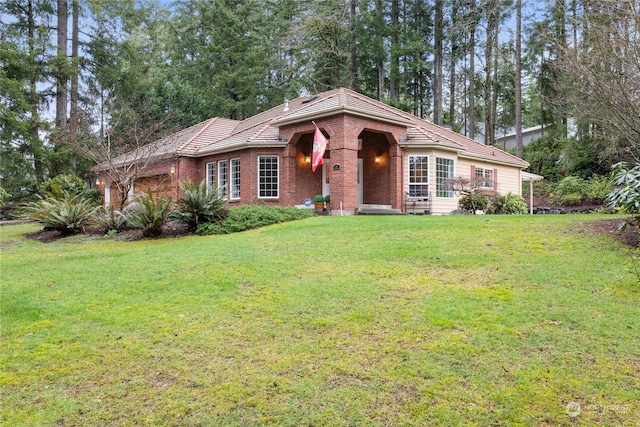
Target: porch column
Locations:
point(396, 176)
point(288, 177)
point(344, 174)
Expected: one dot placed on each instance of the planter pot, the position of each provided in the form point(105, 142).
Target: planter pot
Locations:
point(319, 207)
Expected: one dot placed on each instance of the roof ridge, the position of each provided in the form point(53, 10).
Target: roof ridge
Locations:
point(205, 126)
point(259, 132)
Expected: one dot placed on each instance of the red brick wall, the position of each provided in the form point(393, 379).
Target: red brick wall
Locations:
point(382, 181)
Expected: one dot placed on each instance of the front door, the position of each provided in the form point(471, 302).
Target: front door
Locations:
point(326, 168)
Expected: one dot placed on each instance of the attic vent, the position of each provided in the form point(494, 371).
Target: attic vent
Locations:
point(310, 98)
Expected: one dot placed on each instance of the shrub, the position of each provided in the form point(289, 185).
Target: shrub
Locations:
point(208, 229)
point(3, 196)
point(68, 214)
point(599, 188)
point(199, 205)
point(62, 185)
point(572, 199)
point(148, 214)
point(474, 202)
point(626, 193)
point(92, 195)
point(108, 218)
point(248, 217)
point(507, 204)
point(573, 185)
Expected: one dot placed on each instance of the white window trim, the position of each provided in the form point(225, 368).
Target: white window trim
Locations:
point(451, 192)
point(223, 189)
point(211, 177)
point(483, 181)
point(427, 183)
point(232, 178)
point(277, 177)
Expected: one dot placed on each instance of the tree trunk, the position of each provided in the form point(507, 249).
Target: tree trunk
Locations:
point(354, 57)
point(489, 123)
point(61, 68)
point(437, 63)
point(32, 96)
point(394, 72)
point(75, 42)
point(471, 95)
point(452, 66)
point(518, 79)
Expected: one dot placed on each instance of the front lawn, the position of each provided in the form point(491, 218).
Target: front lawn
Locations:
point(328, 321)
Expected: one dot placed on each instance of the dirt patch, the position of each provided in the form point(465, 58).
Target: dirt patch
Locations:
point(45, 236)
point(630, 236)
point(168, 231)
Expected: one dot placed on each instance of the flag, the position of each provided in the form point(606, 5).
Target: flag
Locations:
point(319, 147)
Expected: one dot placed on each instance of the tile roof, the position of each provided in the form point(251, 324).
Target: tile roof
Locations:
point(219, 135)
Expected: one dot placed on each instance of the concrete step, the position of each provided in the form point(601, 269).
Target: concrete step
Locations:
point(378, 210)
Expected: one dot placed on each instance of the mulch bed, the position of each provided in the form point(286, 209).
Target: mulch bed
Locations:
point(630, 236)
point(168, 231)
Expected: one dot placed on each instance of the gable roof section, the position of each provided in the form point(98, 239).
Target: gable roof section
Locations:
point(262, 130)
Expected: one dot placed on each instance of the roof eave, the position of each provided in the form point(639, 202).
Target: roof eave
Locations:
point(523, 164)
point(242, 146)
point(431, 145)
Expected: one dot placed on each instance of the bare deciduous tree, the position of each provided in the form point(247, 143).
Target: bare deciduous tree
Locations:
point(603, 75)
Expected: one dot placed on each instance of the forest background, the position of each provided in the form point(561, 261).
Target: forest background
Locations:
point(83, 80)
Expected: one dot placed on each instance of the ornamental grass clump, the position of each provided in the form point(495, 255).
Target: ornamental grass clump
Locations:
point(148, 213)
point(68, 213)
point(108, 218)
point(199, 205)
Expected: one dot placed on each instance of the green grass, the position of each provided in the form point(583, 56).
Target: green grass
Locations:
point(329, 321)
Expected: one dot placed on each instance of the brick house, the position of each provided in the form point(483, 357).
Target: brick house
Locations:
point(377, 157)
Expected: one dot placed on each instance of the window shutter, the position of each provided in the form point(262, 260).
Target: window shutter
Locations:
point(495, 179)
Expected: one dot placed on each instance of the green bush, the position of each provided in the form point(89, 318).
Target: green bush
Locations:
point(626, 193)
point(148, 214)
point(599, 188)
point(474, 202)
point(208, 229)
point(62, 185)
point(199, 205)
point(573, 185)
point(3, 196)
point(507, 204)
point(572, 199)
point(91, 194)
point(68, 214)
point(248, 217)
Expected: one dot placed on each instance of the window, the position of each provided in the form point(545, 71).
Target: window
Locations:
point(235, 179)
point(268, 176)
point(223, 177)
point(484, 178)
point(418, 176)
point(211, 175)
point(444, 172)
